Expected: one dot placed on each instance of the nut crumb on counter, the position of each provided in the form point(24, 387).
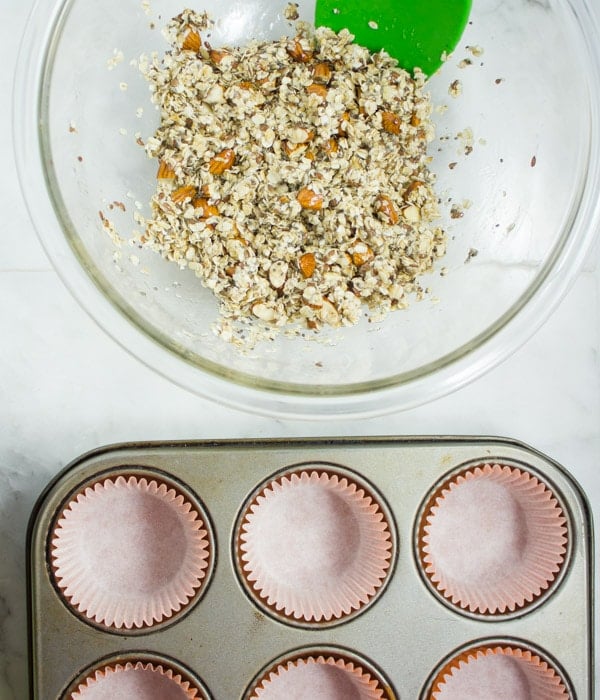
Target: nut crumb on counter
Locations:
point(456, 212)
point(455, 89)
point(475, 50)
point(293, 176)
point(472, 253)
point(291, 11)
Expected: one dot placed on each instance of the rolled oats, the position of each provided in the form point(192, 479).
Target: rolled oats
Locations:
point(293, 175)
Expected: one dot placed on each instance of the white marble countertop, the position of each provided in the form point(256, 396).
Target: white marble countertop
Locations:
point(56, 405)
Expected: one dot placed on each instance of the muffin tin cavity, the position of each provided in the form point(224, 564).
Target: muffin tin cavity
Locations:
point(136, 678)
point(492, 539)
point(280, 569)
point(314, 545)
point(497, 670)
point(326, 674)
point(130, 551)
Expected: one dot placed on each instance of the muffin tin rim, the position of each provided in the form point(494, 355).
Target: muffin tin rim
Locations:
point(554, 585)
point(331, 468)
point(181, 488)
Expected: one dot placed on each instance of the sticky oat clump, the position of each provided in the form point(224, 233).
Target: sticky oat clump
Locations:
point(293, 175)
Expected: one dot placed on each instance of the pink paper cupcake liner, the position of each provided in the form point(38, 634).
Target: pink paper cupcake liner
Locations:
point(322, 677)
point(314, 546)
point(136, 681)
point(496, 673)
point(129, 552)
point(492, 539)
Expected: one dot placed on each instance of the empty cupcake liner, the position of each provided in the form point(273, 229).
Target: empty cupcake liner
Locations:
point(492, 539)
point(129, 552)
point(496, 673)
point(322, 677)
point(314, 546)
point(136, 681)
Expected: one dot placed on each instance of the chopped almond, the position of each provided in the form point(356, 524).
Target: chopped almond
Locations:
point(322, 73)
point(411, 213)
point(216, 55)
point(362, 254)
point(331, 146)
point(221, 162)
point(317, 89)
point(414, 185)
point(208, 210)
point(390, 122)
point(290, 148)
point(344, 119)
point(307, 264)
point(298, 52)
point(192, 41)
point(183, 193)
point(386, 207)
point(165, 172)
point(301, 135)
point(309, 199)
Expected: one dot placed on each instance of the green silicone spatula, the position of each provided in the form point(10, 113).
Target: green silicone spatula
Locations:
point(415, 32)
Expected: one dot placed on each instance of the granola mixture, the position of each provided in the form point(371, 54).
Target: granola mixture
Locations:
point(293, 175)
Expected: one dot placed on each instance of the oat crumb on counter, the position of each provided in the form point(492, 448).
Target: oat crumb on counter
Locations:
point(476, 51)
point(115, 59)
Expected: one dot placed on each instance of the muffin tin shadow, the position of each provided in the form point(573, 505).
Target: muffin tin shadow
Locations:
point(393, 567)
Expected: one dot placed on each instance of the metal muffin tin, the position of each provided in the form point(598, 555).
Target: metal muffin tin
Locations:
point(226, 640)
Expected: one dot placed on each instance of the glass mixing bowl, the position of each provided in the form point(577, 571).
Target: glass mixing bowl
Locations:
point(529, 191)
